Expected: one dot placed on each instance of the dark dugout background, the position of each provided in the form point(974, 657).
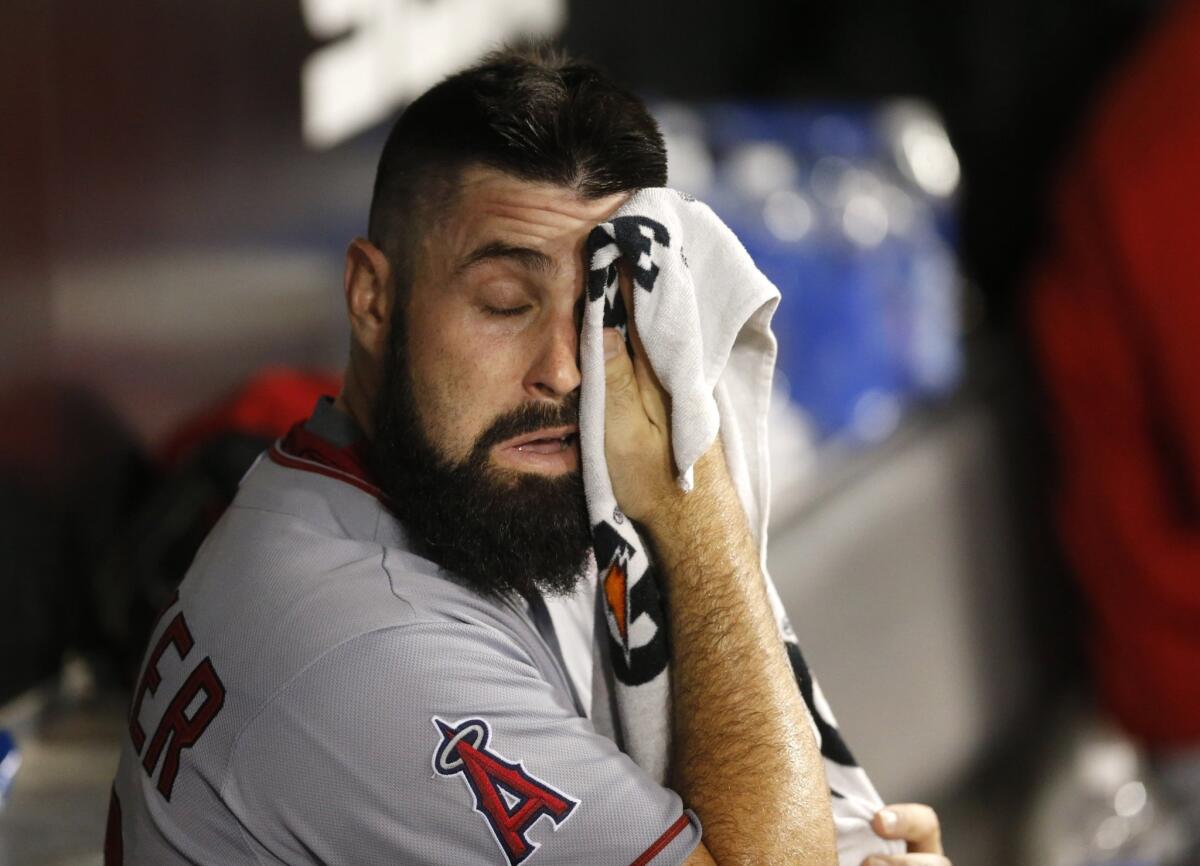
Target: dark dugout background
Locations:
point(1011, 80)
point(139, 125)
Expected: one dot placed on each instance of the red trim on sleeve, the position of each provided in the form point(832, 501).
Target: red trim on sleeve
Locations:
point(662, 842)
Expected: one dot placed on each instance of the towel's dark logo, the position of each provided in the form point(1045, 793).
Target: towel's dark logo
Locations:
point(638, 240)
point(833, 746)
point(633, 607)
point(510, 799)
point(637, 237)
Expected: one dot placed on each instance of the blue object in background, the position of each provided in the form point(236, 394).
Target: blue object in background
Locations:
point(849, 211)
point(10, 762)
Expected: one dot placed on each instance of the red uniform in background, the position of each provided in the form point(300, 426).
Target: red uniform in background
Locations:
point(1116, 323)
point(267, 405)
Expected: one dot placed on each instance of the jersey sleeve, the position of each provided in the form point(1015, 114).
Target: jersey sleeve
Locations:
point(442, 743)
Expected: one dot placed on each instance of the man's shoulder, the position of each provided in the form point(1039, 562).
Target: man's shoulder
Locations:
point(301, 564)
point(273, 494)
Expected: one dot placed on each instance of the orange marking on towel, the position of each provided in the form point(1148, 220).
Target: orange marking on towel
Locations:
point(614, 592)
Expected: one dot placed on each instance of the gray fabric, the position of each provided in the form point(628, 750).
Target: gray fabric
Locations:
point(604, 698)
point(333, 425)
point(540, 617)
point(336, 647)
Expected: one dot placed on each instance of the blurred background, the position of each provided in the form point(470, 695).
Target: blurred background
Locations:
point(986, 435)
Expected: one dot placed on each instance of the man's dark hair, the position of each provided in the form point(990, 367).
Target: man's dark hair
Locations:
point(529, 111)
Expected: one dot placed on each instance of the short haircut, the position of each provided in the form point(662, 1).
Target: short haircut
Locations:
point(527, 110)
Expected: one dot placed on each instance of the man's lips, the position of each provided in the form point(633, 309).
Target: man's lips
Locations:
point(545, 441)
point(551, 449)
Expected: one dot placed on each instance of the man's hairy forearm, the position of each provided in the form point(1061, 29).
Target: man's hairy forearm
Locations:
point(744, 755)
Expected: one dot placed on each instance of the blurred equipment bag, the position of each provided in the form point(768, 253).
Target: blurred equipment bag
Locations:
point(201, 465)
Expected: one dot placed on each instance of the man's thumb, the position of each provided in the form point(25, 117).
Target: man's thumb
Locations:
point(620, 385)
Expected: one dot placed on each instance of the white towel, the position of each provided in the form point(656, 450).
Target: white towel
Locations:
point(703, 312)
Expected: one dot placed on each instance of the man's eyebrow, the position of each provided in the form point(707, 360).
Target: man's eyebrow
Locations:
point(529, 258)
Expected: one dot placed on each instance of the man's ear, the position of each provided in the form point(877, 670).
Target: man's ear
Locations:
point(369, 295)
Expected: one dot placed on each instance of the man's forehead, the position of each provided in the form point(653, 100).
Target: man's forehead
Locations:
point(489, 200)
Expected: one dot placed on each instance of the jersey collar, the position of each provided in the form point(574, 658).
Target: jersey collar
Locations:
point(329, 443)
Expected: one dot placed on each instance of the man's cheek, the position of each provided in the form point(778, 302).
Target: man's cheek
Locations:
point(454, 433)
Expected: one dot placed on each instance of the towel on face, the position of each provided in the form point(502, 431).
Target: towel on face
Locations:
point(703, 314)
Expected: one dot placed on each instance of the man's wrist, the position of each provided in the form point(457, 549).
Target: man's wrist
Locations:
point(685, 524)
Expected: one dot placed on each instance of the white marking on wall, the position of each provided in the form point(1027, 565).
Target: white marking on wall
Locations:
point(387, 52)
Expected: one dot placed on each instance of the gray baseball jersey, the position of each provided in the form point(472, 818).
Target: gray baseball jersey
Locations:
point(317, 693)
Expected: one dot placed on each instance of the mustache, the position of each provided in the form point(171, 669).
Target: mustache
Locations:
point(528, 418)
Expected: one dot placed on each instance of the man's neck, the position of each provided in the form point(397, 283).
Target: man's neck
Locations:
point(354, 402)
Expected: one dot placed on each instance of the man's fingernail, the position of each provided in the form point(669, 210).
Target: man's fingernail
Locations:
point(889, 819)
point(612, 343)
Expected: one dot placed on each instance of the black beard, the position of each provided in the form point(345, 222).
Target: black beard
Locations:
point(499, 534)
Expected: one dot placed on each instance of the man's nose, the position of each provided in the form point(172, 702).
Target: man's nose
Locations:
point(555, 371)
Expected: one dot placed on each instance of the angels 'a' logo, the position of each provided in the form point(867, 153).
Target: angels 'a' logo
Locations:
point(509, 798)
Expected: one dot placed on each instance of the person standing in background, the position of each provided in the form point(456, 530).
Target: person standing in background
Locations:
point(1114, 312)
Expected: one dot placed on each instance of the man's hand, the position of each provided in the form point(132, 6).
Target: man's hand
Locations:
point(637, 428)
point(918, 826)
point(637, 440)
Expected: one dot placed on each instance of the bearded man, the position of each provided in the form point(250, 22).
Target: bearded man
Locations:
point(374, 657)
